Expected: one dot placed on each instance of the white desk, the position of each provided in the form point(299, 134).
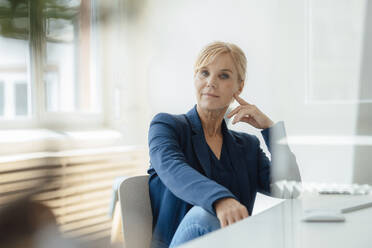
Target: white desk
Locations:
point(281, 226)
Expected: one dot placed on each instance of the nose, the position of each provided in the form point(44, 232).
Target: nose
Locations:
point(211, 82)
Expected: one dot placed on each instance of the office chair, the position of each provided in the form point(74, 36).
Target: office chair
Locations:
point(136, 212)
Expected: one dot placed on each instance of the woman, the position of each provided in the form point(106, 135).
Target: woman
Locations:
point(204, 176)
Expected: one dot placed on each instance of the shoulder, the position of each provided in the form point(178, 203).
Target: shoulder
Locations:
point(176, 122)
point(168, 125)
point(170, 119)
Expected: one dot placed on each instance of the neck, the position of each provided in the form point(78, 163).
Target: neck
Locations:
point(211, 120)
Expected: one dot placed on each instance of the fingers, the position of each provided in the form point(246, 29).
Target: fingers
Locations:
point(238, 117)
point(244, 114)
point(242, 213)
point(231, 220)
point(240, 100)
point(224, 222)
point(229, 211)
point(245, 214)
point(233, 215)
point(233, 112)
point(246, 119)
point(228, 220)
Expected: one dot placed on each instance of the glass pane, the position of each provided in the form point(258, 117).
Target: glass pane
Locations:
point(14, 50)
point(67, 73)
point(336, 33)
point(2, 99)
point(21, 98)
point(61, 63)
point(52, 91)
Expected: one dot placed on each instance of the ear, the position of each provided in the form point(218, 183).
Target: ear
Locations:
point(241, 87)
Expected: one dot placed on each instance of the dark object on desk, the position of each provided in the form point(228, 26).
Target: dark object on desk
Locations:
point(357, 206)
point(319, 215)
point(26, 223)
point(20, 220)
point(334, 192)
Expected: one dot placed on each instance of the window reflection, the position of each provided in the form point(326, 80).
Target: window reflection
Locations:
point(14, 49)
point(21, 98)
point(47, 45)
point(2, 98)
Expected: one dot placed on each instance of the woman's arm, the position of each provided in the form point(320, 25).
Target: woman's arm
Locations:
point(283, 165)
point(178, 176)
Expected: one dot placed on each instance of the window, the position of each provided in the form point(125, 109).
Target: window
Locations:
point(47, 71)
point(21, 98)
point(2, 96)
point(14, 93)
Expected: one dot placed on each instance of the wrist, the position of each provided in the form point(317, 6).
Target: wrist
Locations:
point(269, 124)
point(222, 201)
point(217, 202)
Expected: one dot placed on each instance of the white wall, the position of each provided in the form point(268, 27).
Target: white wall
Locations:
point(281, 40)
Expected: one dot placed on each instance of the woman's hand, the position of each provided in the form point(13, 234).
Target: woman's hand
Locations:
point(229, 210)
point(250, 114)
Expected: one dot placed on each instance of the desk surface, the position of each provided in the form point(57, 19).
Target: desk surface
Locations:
point(281, 226)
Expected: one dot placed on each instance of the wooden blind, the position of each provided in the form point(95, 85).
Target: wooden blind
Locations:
point(81, 190)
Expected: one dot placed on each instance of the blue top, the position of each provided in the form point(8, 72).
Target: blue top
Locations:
point(222, 171)
point(180, 173)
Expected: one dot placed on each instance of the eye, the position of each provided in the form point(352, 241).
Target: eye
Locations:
point(224, 76)
point(204, 73)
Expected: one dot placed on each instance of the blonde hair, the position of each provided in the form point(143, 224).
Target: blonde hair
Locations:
point(213, 49)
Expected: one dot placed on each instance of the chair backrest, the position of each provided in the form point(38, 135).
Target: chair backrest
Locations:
point(136, 212)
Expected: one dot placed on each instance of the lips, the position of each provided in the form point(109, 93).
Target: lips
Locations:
point(209, 95)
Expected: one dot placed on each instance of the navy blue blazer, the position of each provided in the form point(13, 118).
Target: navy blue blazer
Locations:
point(180, 170)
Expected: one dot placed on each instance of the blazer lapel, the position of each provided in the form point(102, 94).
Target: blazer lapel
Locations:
point(199, 144)
point(201, 151)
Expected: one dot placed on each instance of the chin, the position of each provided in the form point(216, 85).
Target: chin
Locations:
point(212, 106)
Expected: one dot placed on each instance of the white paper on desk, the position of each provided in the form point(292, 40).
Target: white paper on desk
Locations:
point(339, 203)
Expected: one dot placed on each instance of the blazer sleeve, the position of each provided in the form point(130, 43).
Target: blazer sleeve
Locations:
point(170, 164)
point(283, 164)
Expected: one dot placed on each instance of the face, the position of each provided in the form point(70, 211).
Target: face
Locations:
point(216, 83)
